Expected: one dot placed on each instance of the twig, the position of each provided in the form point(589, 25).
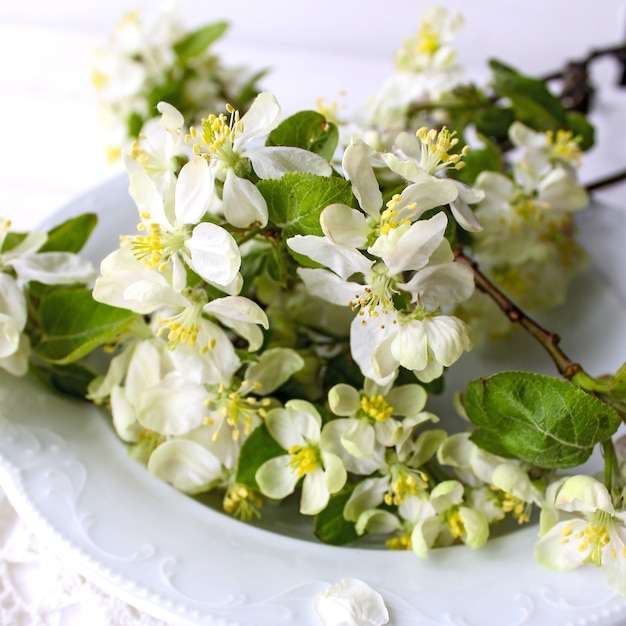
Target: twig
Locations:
point(592, 56)
point(605, 182)
point(549, 341)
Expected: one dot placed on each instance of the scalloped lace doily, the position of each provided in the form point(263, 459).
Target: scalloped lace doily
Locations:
point(38, 589)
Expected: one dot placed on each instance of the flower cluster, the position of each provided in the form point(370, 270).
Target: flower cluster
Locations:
point(146, 63)
point(289, 302)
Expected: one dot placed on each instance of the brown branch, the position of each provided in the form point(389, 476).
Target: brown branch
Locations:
point(605, 182)
point(592, 56)
point(549, 341)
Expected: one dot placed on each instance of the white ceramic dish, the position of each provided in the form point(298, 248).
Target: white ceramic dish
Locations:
point(68, 476)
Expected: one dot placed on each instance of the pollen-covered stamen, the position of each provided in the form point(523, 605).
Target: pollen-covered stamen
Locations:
point(218, 136)
point(435, 150)
point(304, 459)
point(455, 523)
point(158, 245)
point(376, 407)
point(520, 509)
point(402, 542)
point(592, 538)
point(404, 483)
point(242, 502)
point(564, 146)
point(427, 39)
point(184, 327)
point(395, 215)
point(236, 408)
point(377, 297)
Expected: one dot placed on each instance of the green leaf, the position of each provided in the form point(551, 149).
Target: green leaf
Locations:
point(71, 380)
point(259, 447)
point(330, 526)
point(494, 122)
point(296, 201)
point(531, 100)
point(196, 42)
point(71, 235)
point(72, 324)
point(12, 239)
point(308, 130)
point(134, 124)
point(581, 127)
point(545, 421)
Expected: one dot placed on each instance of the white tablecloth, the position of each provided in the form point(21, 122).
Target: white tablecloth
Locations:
point(53, 149)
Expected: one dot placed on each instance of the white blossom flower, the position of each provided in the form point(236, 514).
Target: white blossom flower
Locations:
point(175, 234)
point(158, 149)
point(355, 229)
point(297, 429)
point(593, 532)
point(452, 520)
point(426, 156)
point(351, 602)
point(426, 343)
point(366, 417)
point(228, 141)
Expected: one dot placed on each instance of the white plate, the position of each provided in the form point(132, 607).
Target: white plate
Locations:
point(68, 476)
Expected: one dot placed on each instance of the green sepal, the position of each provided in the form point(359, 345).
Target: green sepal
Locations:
point(330, 526)
point(72, 324)
point(258, 448)
point(308, 130)
point(296, 201)
point(196, 42)
point(545, 421)
point(71, 235)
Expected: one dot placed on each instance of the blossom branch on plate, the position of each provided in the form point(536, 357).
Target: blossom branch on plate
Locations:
point(297, 288)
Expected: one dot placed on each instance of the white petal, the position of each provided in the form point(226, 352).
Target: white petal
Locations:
point(552, 552)
point(328, 286)
point(343, 261)
point(237, 308)
point(359, 438)
point(243, 204)
point(410, 346)
point(54, 268)
point(351, 603)
point(448, 337)
point(407, 400)
point(172, 119)
point(149, 201)
point(173, 407)
point(274, 367)
point(368, 494)
point(584, 493)
point(214, 253)
point(442, 285)
point(187, 465)
point(315, 494)
point(344, 400)
point(344, 226)
point(259, 120)
point(194, 192)
point(275, 477)
point(124, 416)
point(412, 249)
point(359, 172)
point(276, 161)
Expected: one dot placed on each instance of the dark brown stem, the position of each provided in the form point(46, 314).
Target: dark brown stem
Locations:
point(592, 56)
point(549, 341)
point(608, 180)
